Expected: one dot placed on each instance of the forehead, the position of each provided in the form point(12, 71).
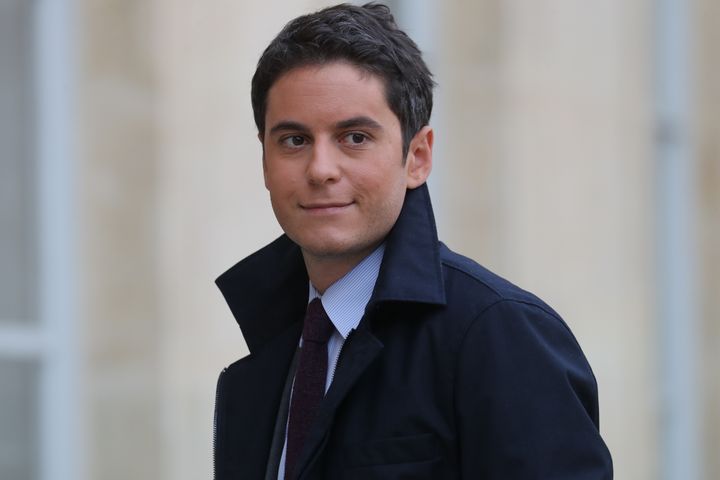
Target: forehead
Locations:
point(331, 90)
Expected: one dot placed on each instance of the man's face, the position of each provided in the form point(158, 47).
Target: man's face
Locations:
point(333, 160)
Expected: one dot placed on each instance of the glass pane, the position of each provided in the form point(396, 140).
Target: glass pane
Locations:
point(17, 206)
point(19, 447)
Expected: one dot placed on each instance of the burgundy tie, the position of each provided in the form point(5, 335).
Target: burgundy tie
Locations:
point(309, 386)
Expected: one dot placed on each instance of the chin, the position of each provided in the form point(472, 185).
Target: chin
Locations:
point(333, 248)
point(327, 250)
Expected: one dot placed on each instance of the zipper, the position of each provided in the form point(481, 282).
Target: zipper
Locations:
point(215, 421)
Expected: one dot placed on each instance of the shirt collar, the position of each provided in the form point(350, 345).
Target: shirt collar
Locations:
point(345, 300)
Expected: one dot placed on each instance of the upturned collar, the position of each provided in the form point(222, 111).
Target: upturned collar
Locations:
point(267, 291)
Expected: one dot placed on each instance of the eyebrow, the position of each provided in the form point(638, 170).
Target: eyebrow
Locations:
point(354, 122)
point(288, 125)
point(361, 121)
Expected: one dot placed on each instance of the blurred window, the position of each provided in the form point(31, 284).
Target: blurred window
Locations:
point(18, 417)
point(20, 332)
point(17, 206)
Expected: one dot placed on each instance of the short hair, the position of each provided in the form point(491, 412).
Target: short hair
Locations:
point(364, 36)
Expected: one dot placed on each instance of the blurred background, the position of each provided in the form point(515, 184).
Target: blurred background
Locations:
point(578, 154)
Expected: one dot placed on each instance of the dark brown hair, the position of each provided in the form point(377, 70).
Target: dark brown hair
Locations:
point(365, 36)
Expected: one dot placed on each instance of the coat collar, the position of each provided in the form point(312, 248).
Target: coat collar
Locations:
point(410, 272)
point(411, 269)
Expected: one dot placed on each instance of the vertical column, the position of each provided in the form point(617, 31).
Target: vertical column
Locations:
point(117, 225)
point(61, 398)
point(677, 299)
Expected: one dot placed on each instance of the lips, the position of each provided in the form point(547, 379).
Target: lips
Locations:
point(311, 206)
point(324, 207)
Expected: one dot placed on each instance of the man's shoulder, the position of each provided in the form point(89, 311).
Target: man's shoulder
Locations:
point(485, 307)
point(471, 284)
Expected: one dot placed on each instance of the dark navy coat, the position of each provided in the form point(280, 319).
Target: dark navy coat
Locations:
point(453, 373)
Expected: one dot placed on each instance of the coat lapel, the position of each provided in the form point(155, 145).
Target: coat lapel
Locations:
point(248, 404)
point(359, 351)
point(267, 294)
point(266, 291)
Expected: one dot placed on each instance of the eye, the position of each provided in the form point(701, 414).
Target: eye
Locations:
point(293, 141)
point(355, 138)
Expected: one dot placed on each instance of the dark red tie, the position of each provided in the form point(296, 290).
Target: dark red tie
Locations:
point(309, 386)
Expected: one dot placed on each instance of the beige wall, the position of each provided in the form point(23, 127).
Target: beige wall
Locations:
point(544, 173)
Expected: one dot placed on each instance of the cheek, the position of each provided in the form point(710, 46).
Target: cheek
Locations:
point(280, 184)
point(387, 193)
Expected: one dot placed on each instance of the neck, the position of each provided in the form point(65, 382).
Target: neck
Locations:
point(324, 271)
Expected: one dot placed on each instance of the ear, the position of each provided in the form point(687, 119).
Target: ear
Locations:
point(419, 158)
point(264, 164)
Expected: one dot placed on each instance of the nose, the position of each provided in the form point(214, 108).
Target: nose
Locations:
point(324, 163)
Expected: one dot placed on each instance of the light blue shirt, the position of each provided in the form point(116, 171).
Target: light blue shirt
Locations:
point(345, 302)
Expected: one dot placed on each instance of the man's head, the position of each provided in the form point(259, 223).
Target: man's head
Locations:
point(366, 37)
point(342, 100)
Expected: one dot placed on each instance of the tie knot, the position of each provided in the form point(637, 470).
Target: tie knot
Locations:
point(317, 327)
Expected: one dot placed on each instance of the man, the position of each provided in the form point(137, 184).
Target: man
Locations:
point(375, 351)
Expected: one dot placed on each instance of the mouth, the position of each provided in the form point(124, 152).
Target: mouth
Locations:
point(321, 208)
